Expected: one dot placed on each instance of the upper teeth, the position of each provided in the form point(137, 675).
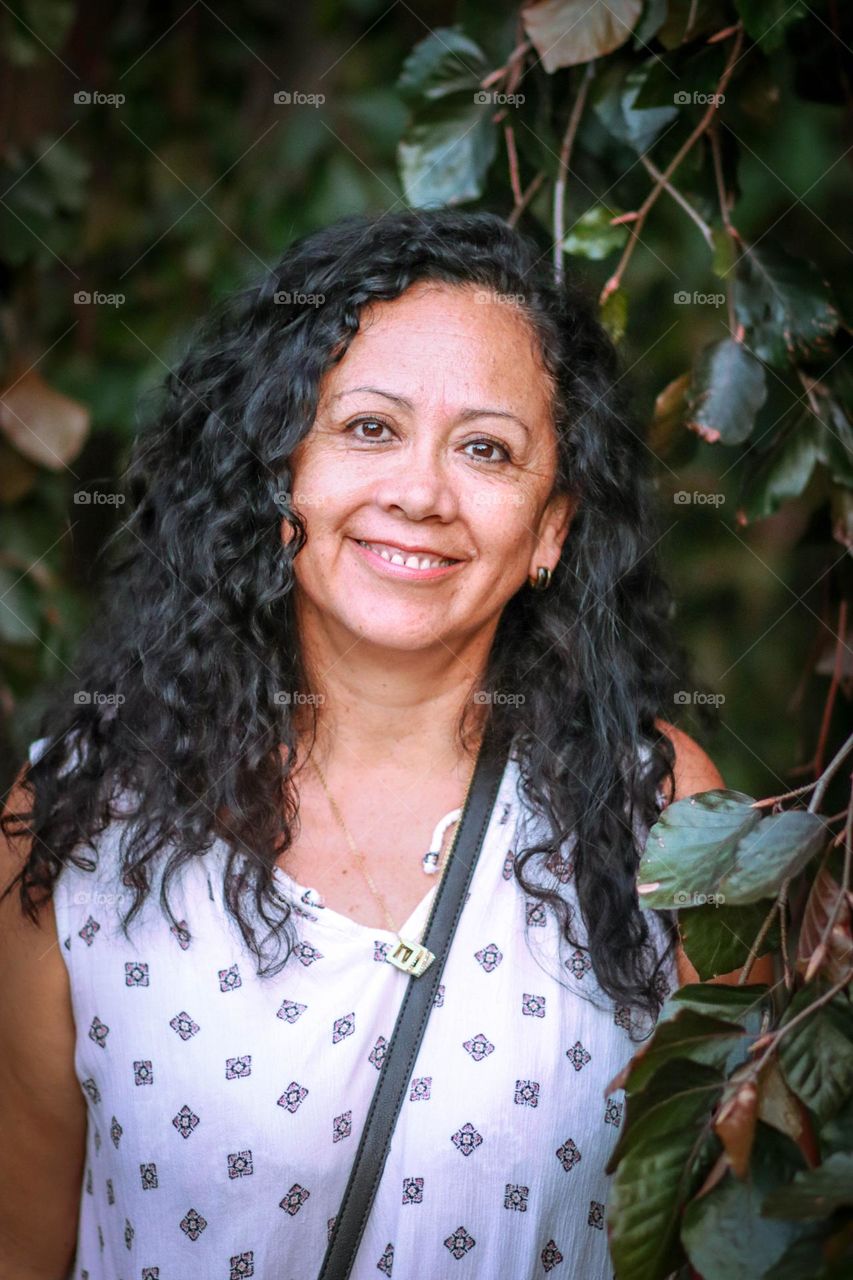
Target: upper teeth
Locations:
point(393, 556)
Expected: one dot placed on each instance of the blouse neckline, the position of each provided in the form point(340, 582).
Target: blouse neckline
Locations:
point(313, 900)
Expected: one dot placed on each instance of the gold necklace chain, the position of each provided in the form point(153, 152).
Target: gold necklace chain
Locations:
point(409, 955)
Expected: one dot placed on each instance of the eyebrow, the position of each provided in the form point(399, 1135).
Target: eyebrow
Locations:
point(465, 415)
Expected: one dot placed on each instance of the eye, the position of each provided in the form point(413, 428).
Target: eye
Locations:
point(368, 422)
point(485, 443)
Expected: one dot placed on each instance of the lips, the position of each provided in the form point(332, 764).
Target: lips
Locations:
point(420, 558)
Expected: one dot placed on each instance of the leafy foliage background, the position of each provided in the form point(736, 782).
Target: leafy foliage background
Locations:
point(690, 159)
point(199, 176)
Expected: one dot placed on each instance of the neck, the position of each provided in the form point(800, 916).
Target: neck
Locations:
point(388, 710)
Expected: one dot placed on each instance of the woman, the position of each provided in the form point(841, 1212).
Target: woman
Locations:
point(364, 472)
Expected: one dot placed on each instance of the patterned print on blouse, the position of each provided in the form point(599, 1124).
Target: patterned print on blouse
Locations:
point(233, 1104)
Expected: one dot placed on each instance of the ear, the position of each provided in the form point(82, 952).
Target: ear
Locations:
point(553, 528)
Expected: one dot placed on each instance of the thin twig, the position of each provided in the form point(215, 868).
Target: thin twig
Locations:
point(642, 213)
point(754, 949)
point(512, 157)
point(776, 1036)
point(652, 169)
point(829, 773)
point(562, 172)
point(725, 214)
point(494, 76)
point(819, 790)
point(526, 198)
point(845, 880)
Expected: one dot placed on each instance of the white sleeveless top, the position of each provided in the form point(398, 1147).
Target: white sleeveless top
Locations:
point(224, 1110)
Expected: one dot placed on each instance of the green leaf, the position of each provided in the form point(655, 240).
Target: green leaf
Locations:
point(837, 1133)
point(814, 1193)
point(724, 252)
point(688, 1035)
point(817, 1054)
point(782, 472)
point(717, 939)
point(723, 1231)
point(731, 1004)
point(767, 20)
point(683, 78)
point(567, 32)
point(614, 314)
point(614, 104)
point(20, 619)
point(654, 16)
point(592, 236)
point(835, 440)
point(444, 156)
point(446, 62)
point(660, 1159)
point(716, 847)
point(447, 148)
point(38, 30)
point(687, 20)
point(784, 304)
point(726, 391)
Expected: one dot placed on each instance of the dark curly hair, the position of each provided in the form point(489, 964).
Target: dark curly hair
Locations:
point(195, 624)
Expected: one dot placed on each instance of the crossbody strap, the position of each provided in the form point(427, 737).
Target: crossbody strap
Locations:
point(411, 1021)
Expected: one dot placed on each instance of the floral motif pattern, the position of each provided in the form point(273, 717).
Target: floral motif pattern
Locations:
point(467, 1139)
point(413, 1190)
point(294, 1199)
point(489, 957)
point(229, 979)
point(293, 1096)
point(479, 1047)
point(578, 1056)
point(460, 1242)
point(533, 1006)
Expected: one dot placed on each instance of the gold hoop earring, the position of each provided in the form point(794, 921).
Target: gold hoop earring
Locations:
point(542, 580)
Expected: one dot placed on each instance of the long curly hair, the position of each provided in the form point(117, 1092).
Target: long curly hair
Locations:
point(194, 636)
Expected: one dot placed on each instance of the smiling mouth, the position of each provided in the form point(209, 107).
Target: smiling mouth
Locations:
point(409, 559)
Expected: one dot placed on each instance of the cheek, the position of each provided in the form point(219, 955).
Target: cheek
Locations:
point(503, 527)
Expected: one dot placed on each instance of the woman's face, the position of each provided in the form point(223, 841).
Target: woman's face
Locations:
point(432, 441)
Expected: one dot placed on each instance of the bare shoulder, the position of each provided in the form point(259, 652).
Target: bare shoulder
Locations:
point(42, 1109)
point(694, 769)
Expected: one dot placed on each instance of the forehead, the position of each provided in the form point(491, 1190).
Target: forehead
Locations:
point(447, 341)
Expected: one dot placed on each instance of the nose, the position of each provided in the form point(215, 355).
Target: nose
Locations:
point(418, 483)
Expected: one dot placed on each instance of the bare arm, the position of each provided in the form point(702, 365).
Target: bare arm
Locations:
point(42, 1109)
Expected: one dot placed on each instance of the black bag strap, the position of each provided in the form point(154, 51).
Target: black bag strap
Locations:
point(411, 1021)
